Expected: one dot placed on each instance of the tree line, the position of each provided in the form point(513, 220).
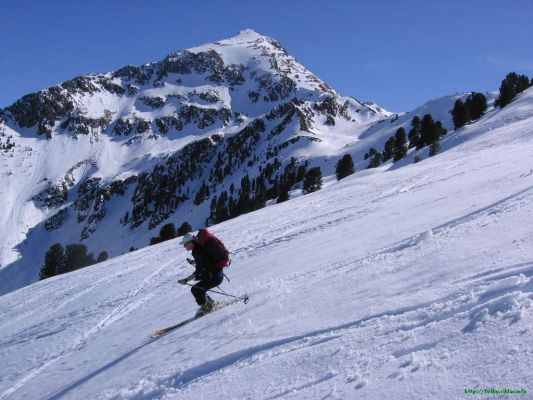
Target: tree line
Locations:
point(476, 103)
point(169, 231)
point(60, 260)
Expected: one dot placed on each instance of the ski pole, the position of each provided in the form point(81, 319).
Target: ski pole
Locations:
point(243, 298)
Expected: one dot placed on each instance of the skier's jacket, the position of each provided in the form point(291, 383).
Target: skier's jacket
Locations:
point(211, 255)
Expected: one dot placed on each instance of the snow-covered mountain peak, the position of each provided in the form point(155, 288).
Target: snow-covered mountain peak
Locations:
point(245, 38)
point(261, 55)
point(118, 154)
point(248, 33)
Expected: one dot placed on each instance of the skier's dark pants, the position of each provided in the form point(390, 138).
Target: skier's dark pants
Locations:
point(209, 281)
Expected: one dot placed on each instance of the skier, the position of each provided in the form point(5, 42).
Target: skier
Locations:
point(208, 272)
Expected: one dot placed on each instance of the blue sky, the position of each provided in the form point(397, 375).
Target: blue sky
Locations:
point(398, 54)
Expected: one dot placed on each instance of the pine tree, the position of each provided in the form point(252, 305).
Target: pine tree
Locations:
point(184, 228)
point(103, 256)
point(400, 144)
point(388, 149)
point(232, 207)
point(313, 180)
point(54, 261)
point(289, 177)
point(375, 161)
point(260, 195)
point(427, 130)
point(460, 114)
point(76, 257)
point(222, 213)
point(431, 130)
point(415, 133)
point(245, 184)
point(301, 172)
point(168, 232)
point(344, 167)
point(257, 202)
point(283, 196)
point(510, 87)
point(243, 204)
point(155, 240)
point(201, 195)
point(476, 104)
point(434, 148)
point(213, 205)
point(273, 192)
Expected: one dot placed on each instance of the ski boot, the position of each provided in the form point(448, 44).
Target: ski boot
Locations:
point(206, 308)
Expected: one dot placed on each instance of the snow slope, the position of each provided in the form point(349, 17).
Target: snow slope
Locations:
point(409, 283)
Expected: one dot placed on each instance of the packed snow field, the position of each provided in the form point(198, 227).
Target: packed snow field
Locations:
point(408, 283)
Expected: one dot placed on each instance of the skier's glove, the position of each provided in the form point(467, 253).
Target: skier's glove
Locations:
point(183, 281)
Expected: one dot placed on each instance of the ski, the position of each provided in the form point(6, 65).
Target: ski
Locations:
point(161, 332)
point(217, 306)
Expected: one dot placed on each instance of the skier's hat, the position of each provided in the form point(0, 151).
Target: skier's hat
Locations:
point(188, 237)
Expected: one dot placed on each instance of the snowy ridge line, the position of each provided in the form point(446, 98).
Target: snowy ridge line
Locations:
point(416, 239)
point(113, 316)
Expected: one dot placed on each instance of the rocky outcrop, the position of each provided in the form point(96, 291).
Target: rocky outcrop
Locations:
point(153, 102)
point(160, 191)
point(203, 117)
point(92, 197)
point(80, 124)
point(286, 112)
point(208, 63)
point(140, 75)
point(42, 109)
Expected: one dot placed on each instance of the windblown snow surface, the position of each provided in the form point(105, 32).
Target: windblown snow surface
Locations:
point(405, 283)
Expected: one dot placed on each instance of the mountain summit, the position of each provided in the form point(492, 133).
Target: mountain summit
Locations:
point(203, 135)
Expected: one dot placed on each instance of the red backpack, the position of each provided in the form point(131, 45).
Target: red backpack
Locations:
point(214, 248)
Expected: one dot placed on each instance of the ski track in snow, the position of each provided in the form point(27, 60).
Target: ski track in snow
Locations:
point(70, 295)
point(498, 297)
point(494, 208)
point(506, 294)
point(116, 314)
